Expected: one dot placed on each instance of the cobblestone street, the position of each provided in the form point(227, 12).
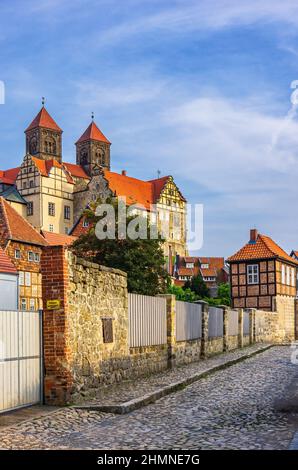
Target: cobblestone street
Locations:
point(230, 409)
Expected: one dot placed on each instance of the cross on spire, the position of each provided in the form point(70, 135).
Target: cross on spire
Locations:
point(43, 100)
point(92, 116)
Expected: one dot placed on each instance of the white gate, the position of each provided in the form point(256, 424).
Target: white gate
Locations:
point(20, 359)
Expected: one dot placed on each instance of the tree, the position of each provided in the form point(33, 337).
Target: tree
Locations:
point(197, 285)
point(142, 259)
point(186, 295)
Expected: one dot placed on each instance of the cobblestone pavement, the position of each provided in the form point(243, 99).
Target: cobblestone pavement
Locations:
point(230, 409)
point(131, 389)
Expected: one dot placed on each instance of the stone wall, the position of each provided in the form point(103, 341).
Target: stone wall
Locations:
point(285, 306)
point(86, 339)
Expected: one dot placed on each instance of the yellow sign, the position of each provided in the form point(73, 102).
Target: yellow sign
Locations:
point(53, 304)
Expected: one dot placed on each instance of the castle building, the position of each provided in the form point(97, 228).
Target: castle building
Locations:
point(52, 194)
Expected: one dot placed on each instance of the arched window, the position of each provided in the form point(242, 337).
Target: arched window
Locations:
point(33, 145)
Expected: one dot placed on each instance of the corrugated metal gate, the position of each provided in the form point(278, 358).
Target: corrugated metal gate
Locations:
point(20, 359)
point(8, 291)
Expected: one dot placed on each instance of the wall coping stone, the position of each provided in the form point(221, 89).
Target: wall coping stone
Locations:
point(99, 267)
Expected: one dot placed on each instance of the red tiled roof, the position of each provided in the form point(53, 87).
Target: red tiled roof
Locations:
point(79, 229)
point(9, 176)
point(93, 133)
point(217, 263)
point(6, 265)
point(56, 239)
point(134, 190)
point(158, 186)
point(263, 248)
point(45, 166)
point(17, 227)
point(76, 170)
point(188, 271)
point(208, 272)
point(43, 119)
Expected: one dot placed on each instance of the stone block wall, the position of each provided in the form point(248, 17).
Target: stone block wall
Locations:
point(86, 339)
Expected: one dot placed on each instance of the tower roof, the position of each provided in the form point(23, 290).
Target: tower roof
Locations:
point(43, 119)
point(93, 133)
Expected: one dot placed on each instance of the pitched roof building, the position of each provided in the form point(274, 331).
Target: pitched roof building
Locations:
point(52, 194)
point(260, 272)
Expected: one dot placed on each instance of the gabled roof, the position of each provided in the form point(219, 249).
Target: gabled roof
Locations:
point(6, 265)
point(44, 167)
point(93, 133)
point(214, 262)
point(56, 239)
point(294, 254)
point(263, 248)
point(14, 227)
point(76, 170)
point(208, 272)
point(9, 176)
point(158, 186)
point(43, 119)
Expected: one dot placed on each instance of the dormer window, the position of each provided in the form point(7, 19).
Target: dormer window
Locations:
point(190, 265)
point(253, 274)
point(205, 266)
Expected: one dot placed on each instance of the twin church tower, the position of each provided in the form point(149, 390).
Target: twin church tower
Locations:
point(44, 141)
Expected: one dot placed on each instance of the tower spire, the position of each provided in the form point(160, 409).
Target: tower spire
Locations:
point(43, 100)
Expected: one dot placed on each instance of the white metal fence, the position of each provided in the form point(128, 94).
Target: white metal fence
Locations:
point(232, 322)
point(20, 359)
point(245, 323)
point(147, 320)
point(215, 324)
point(188, 321)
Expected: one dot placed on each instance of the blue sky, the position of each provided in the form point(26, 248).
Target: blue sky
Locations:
point(198, 89)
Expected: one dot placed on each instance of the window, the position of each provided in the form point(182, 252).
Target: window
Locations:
point(30, 208)
point(205, 266)
point(283, 276)
point(66, 230)
point(293, 276)
point(253, 274)
point(85, 224)
point(23, 304)
point(51, 208)
point(67, 212)
point(17, 254)
point(30, 256)
point(51, 228)
point(21, 278)
point(31, 183)
point(32, 305)
point(36, 257)
point(25, 185)
point(288, 275)
point(190, 265)
point(27, 279)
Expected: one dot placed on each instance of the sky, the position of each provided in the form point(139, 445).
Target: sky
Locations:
point(200, 90)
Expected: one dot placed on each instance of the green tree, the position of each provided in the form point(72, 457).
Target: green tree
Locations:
point(197, 285)
point(142, 259)
point(186, 295)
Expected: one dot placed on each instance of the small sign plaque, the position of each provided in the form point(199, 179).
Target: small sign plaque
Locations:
point(53, 304)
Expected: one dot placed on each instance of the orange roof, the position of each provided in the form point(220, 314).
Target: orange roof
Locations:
point(45, 166)
point(188, 271)
point(93, 133)
point(76, 170)
point(208, 272)
point(9, 176)
point(134, 190)
point(79, 229)
point(263, 248)
point(43, 119)
point(14, 227)
point(6, 265)
point(56, 239)
point(216, 263)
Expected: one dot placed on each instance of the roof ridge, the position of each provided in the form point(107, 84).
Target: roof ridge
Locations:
point(271, 240)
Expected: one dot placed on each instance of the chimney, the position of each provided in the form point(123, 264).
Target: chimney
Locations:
point(123, 172)
point(253, 235)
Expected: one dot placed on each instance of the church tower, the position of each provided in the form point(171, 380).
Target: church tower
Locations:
point(93, 150)
point(44, 137)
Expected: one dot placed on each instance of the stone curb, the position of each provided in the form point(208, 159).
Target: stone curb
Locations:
point(129, 406)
